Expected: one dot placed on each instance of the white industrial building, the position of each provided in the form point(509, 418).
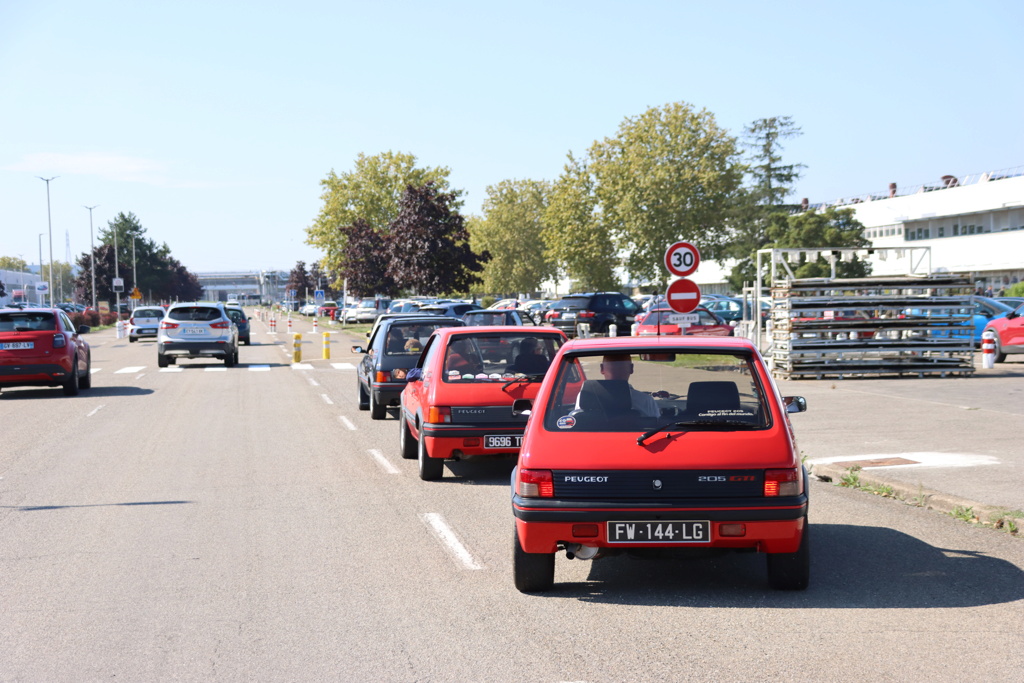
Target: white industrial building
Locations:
point(972, 225)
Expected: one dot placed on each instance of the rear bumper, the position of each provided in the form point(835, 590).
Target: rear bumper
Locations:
point(446, 441)
point(194, 349)
point(44, 375)
point(769, 536)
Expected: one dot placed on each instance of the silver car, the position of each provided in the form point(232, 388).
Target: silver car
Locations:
point(144, 322)
point(197, 330)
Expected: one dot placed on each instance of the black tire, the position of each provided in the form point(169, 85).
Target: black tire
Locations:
point(999, 355)
point(791, 571)
point(378, 411)
point(161, 360)
point(533, 572)
point(86, 381)
point(132, 340)
point(406, 444)
point(431, 469)
point(230, 359)
point(364, 398)
point(71, 386)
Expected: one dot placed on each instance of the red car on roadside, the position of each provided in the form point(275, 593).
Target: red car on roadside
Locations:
point(457, 401)
point(664, 321)
point(653, 446)
point(42, 347)
point(1009, 333)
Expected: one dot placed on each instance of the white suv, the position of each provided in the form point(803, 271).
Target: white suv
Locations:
point(197, 330)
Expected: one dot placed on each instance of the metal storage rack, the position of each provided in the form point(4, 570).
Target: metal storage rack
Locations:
point(890, 326)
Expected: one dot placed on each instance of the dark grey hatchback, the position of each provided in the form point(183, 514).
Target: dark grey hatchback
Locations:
point(392, 349)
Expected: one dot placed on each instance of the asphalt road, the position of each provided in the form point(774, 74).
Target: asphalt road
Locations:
point(252, 524)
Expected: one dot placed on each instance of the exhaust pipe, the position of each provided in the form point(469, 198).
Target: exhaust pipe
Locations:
point(577, 551)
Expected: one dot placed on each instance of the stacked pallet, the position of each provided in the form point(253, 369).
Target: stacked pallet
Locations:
point(860, 327)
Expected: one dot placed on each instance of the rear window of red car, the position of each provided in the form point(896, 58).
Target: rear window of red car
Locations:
point(636, 392)
point(498, 357)
point(24, 321)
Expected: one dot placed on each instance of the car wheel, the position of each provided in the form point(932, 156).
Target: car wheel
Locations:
point(533, 572)
point(230, 359)
point(86, 382)
point(791, 571)
point(377, 409)
point(132, 340)
point(364, 398)
point(431, 469)
point(999, 355)
point(71, 386)
point(161, 360)
point(405, 441)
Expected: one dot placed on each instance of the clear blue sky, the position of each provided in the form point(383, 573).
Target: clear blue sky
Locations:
point(214, 122)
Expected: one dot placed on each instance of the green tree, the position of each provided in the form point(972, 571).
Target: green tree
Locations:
point(574, 235)
point(13, 263)
point(324, 280)
point(429, 244)
point(160, 277)
point(813, 230)
point(512, 232)
point(770, 183)
point(669, 174)
point(371, 192)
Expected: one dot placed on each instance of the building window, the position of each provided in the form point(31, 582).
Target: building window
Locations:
point(956, 230)
point(942, 231)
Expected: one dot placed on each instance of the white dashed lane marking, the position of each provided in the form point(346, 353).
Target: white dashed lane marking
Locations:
point(94, 411)
point(383, 462)
point(327, 399)
point(347, 422)
point(451, 542)
point(129, 370)
point(343, 366)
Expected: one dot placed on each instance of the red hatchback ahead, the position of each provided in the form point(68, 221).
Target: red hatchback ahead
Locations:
point(458, 399)
point(41, 347)
point(700, 323)
point(659, 445)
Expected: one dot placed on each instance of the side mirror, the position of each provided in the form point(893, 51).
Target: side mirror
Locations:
point(795, 404)
point(358, 349)
point(414, 375)
point(521, 407)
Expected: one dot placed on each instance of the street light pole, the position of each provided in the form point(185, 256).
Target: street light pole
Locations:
point(92, 247)
point(40, 264)
point(49, 222)
point(117, 274)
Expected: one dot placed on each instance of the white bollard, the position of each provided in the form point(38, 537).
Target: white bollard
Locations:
point(988, 350)
point(633, 330)
point(119, 327)
point(613, 330)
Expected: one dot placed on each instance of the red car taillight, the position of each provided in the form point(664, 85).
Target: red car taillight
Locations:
point(783, 483)
point(221, 325)
point(535, 483)
point(439, 414)
point(551, 315)
point(164, 325)
point(383, 376)
point(59, 342)
point(586, 314)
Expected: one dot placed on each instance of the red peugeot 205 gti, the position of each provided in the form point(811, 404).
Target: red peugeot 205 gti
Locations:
point(458, 399)
point(659, 446)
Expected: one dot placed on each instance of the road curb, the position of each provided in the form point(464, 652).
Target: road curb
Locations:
point(917, 496)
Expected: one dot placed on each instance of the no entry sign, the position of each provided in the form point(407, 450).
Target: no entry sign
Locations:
point(681, 259)
point(683, 296)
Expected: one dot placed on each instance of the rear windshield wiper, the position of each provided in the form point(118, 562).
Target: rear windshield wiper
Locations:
point(521, 378)
point(682, 427)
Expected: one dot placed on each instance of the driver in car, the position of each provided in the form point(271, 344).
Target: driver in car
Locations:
point(619, 366)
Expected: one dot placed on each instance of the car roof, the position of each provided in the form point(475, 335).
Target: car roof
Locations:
point(643, 344)
point(491, 330)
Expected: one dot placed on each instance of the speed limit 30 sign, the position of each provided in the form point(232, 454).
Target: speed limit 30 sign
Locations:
point(681, 259)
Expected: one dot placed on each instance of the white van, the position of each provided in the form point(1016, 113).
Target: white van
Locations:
point(370, 307)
